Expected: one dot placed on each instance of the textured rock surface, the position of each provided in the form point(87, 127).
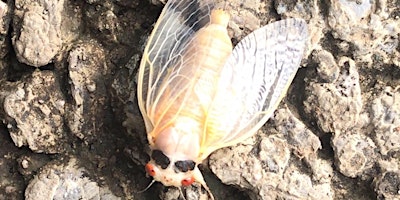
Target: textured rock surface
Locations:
point(343, 94)
point(385, 118)
point(68, 90)
point(269, 167)
point(62, 182)
point(34, 113)
point(387, 185)
point(86, 66)
point(354, 153)
point(37, 30)
point(5, 17)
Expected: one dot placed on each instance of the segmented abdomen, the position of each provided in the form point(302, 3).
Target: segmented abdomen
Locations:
point(196, 81)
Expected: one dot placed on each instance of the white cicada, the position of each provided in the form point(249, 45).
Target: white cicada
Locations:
point(197, 95)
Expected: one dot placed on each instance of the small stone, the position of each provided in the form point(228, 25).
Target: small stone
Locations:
point(38, 121)
point(387, 185)
point(327, 68)
point(25, 164)
point(336, 106)
point(5, 18)
point(11, 189)
point(62, 182)
point(354, 154)
point(37, 31)
point(385, 115)
point(86, 68)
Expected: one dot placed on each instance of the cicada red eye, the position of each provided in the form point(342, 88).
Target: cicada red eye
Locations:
point(187, 181)
point(150, 169)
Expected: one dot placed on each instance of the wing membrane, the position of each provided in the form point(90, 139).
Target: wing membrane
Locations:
point(162, 58)
point(253, 81)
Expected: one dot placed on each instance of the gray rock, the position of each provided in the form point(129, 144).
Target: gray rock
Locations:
point(34, 113)
point(65, 182)
point(37, 30)
point(387, 185)
point(87, 68)
point(385, 117)
point(327, 68)
point(267, 165)
point(369, 26)
point(354, 153)
point(336, 106)
point(5, 18)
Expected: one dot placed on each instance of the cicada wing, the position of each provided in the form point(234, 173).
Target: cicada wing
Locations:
point(162, 57)
point(253, 82)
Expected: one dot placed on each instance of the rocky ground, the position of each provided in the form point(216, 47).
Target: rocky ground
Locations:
point(71, 128)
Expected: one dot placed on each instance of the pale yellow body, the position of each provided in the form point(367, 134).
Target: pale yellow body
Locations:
point(181, 124)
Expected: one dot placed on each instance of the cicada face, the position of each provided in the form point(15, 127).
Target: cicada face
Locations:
point(174, 155)
point(169, 172)
point(197, 95)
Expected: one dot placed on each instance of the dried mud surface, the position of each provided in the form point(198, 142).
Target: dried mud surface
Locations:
point(71, 128)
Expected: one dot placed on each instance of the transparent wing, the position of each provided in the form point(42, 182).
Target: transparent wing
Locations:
point(253, 82)
point(163, 54)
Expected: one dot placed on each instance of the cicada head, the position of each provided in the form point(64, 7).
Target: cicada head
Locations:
point(172, 172)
